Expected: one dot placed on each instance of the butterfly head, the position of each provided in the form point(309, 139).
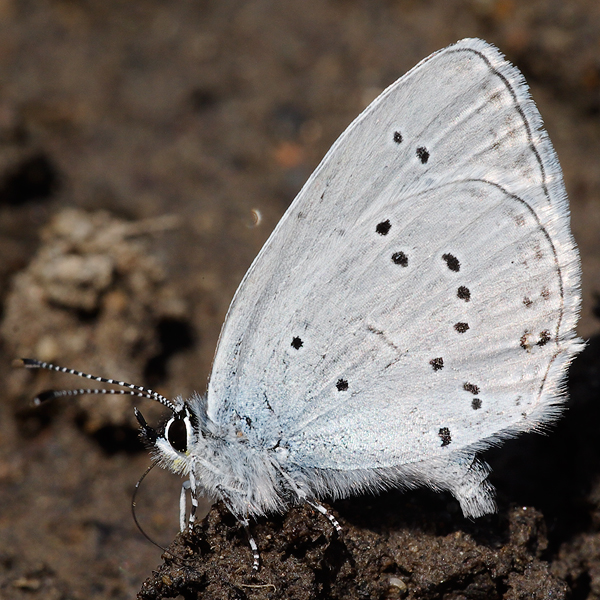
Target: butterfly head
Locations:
point(171, 444)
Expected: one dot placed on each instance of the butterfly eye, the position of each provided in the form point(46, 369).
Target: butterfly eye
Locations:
point(176, 433)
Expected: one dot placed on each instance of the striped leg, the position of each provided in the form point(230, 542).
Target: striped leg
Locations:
point(194, 500)
point(253, 546)
point(325, 512)
point(191, 486)
point(302, 495)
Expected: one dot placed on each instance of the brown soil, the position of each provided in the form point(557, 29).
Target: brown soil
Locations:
point(114, 114)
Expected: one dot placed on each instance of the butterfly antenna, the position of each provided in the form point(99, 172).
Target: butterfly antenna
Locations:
point(137, 523)
point(134, 390)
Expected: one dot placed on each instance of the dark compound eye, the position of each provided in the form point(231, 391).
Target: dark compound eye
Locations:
point(176, 434)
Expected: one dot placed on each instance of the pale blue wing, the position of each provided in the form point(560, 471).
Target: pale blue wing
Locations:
point(417, 300)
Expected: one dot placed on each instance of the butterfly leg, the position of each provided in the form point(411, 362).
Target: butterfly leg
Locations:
point(325, 512)
point(182, 505)
point(304, 497)
point(194, 500)
point(188, 485)
point(253, 546)
point(245, 523)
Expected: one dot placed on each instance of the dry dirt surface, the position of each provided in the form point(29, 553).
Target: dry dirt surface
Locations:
point(147, 149)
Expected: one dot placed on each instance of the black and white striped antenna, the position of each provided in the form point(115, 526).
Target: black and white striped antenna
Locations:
point(134, 390)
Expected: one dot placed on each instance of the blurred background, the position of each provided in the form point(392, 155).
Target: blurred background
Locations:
point(147, 150)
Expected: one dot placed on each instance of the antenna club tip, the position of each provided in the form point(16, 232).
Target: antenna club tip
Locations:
point(44, 397)
point(28, 363)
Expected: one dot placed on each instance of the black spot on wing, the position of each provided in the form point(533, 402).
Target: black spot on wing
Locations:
point(384, 227)
point(476, 403)
point(452, 262)
point(437, 363)
point(471, 387)
point(461, 327)
point(464, 293)
point(342, 385)
point(422, 154)
point(399, 258)
point(397, 137)
point(544, 338)
point(445, 436)
point(297, 343)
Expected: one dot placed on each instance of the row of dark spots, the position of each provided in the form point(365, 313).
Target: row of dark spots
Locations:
point(473, 389)
point(436, 363)
point(463, 293)
point(528, 302)
point(398, 258)
point(542, 341)
point(422, 152)
point(444, 432)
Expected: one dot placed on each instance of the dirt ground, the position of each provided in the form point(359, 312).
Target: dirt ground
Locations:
point(147, 149)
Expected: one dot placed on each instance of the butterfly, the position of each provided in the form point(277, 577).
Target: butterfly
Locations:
point(415, 305)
